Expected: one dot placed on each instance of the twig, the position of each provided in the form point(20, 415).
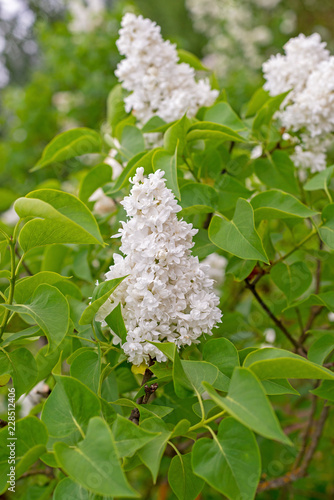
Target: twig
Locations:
point(3, 423)
point(135, 415)
point(308, 429)
point(298, 473)
point(277, 322)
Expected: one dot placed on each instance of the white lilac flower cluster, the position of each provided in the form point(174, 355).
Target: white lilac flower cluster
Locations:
point(233, 27)
point(168, 296)
point(159, 85)
point(307, 70)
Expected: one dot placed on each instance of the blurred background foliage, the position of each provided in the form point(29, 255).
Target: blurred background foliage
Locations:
point(57, 61)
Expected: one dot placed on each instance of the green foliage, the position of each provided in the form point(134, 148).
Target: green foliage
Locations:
point(202, 419)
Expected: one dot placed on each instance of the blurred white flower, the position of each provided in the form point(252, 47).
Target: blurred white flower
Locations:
point(307, 71)
point(104, 205)
point(117, 168)
point(216, 268)
point(10, 217)
point(86, 14)
point(150, 71)
point(28, 401)
point(256, 152)
point(168, 296)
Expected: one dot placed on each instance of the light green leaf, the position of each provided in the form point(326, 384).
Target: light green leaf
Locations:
point(132, 141)
point(223, 113)
point(50, 309)
point(247, 402)
point(256, 102)
point(129, 437)
point(321, 348)
point(182, 480)
point(74, 142)
point(168, 163)
point(199, 371)
point(291, 280)
point(140, 160)
point(61, 218)
point(25, 287)
point(175, 136)
point(320, 180)
point(69, 408)
point(275, 204)
point(116, 323)
point(325, 391)
point(231, 462)
point(95, 178)
point(115, 106)
point(213, 132)
point(189, 58)
point(101, 294)
point(197, 198)
point(86, 367)
point(221, 353)
point(238, 236)
point(94, 462)
point(277, 171)
point(325, 299)
point(31, 438)
point(21, 366)
point(273, 363)
point(151, 454)
point(326, 231)
point(240, 268)
point(277, 387)
point(70, 490)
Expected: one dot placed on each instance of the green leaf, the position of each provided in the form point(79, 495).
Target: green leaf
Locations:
point(277, 387)
point(30, 441)
point(274, 204)
point(321, 348)
point(229, 190)
point(95, 178)
point(94, 462)
point(199, 371)
point(240, 268)
point(291, 280)
point(151, 454)
point(325, 299)
point(62, 218)
point(168, 348)
point(231, 462)
point(50, 310)
point(256, 102)
point(116, 323)
point(21, 366)
point(69, 408)
point(325, 391)
point(247, 402)
point(175, 136)
point(223, 113)
point(197, 198)
point(182, 480)
point(101, 294)
point(115, 106)
point(140, 160)
point(277, 172)
point(87, 368)
point(326, 231)
point(33, 331)
point(189, 58)
point(167, 163)
point(238, 236)
point(69, 490)
point(265, 114)
point(320, 180)
point(221, 353)
point(213, 132)
point(153, 124)
point(132, 141)
point(74, 142)
point(25, 287)
point(276, 363)
point(129, 437)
